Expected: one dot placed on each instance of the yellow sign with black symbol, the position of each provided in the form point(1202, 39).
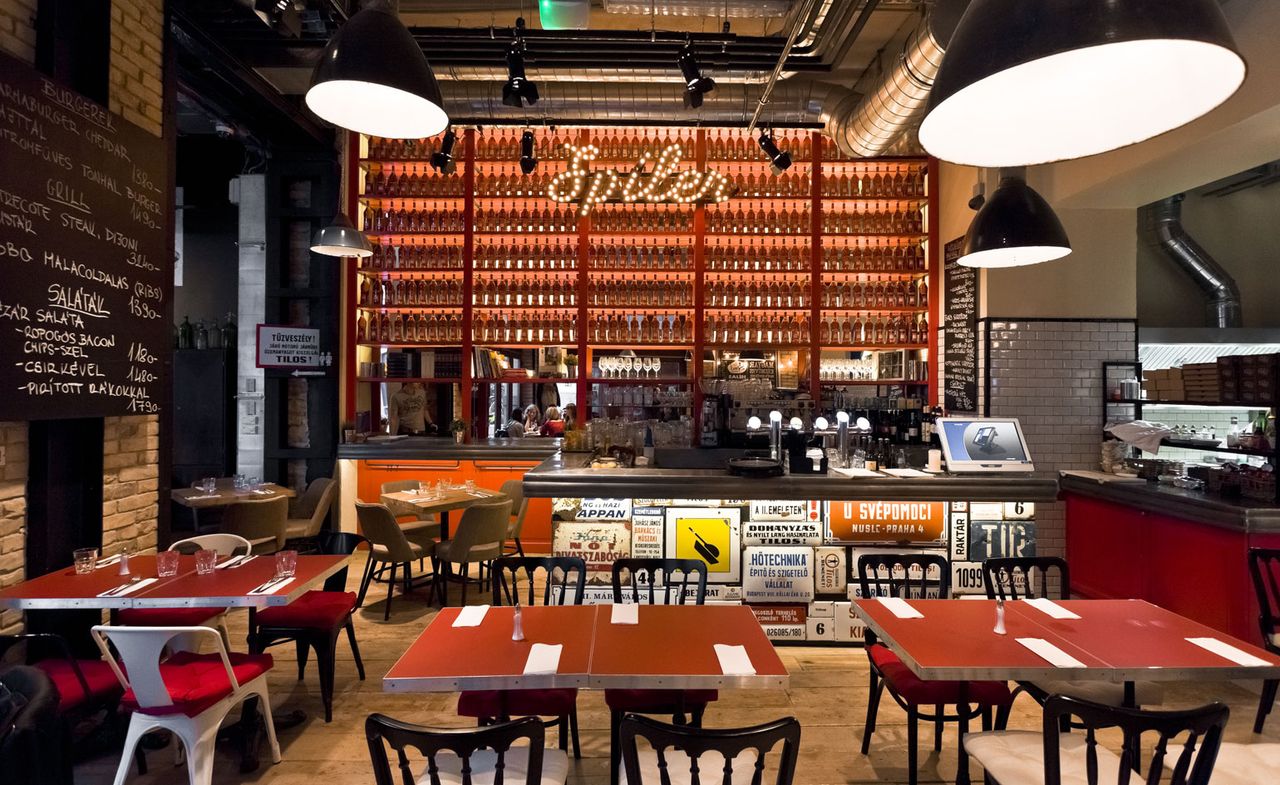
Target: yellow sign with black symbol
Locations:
point(710, 535)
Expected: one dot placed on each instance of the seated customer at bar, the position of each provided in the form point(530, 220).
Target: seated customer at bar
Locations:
point(532, 420)
point(515, 425)
point(554, 426)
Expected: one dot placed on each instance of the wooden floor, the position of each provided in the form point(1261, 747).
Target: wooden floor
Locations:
point(828, 694)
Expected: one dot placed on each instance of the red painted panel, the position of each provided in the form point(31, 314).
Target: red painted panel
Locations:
point(1105, 547)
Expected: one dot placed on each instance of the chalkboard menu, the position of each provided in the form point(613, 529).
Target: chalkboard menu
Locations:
point(959, 331)
point(88, 278)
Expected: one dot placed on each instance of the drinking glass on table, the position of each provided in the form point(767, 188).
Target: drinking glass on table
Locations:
point(286, 563)
point(167, 563)
point(424, 488)
point(470, 486)
point(238, 482)
point(206, 560)
point(86, 559)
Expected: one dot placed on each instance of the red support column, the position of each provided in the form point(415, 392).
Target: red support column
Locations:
point(468, 266)
point(815, 274)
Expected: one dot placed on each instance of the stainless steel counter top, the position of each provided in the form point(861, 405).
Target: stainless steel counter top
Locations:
point(570, 475)
point(1239, 514)
point(436, 448)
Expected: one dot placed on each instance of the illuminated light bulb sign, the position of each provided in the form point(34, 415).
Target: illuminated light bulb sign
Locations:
point(649, 181)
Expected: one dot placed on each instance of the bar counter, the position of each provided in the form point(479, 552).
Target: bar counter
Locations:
point(570, 475)
point(1241, 515)
point(434, 448)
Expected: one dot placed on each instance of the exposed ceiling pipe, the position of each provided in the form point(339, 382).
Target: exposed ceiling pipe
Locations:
point(777, 70)
point(898, 99)
point(642, 103)
point(1168, 233)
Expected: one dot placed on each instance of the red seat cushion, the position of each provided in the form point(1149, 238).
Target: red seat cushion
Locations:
point(658, 701)
point(919, 692)
point(166, 617)
point(198, 681)
point(321, 610)
point(103, 684)
point(517, 703)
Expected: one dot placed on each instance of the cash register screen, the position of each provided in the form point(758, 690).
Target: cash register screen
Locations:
point(984, 445)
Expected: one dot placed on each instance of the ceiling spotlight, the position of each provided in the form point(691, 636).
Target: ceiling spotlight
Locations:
point(373, 79)
point(695, 84)
point(518, 87)
point(779, 160)
point(341, 238)
point(1015, 227)
point(1030, 83)
point(527, 162)
point(442, 159)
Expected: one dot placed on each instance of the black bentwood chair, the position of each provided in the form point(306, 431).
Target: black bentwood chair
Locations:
point(1264, 568)
point(565, 583)
point(679, 754)
point(1030, 577)
point(1052, 757)
point(917, 576)
point(646, 582)
point(483, 756)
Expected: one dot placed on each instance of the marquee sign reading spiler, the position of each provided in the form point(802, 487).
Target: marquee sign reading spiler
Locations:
point(649, 181)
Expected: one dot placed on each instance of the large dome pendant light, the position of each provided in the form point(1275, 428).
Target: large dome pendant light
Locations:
point(1027, 83)
point(373, 79)
point(341, 238)
point(1014, 228)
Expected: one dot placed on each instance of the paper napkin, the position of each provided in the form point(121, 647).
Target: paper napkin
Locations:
point(734, 660)
point(1050, 653)
point(119, 592)
point(543, 658)
point(900, 608)
point(1226, 650)
point(471, 616)
point(1051, 608)
point(625, 613)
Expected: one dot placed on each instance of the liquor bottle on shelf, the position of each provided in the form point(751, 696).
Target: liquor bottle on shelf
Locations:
point(414, 183)
point(874, 293)
point(641, 218)
point(874, 258)
point(396, 328)
point(519, 291)
point(758, 218)
point(641, 328)
point(538, 256)
point(728, 329)
point(757, 293)
point(625, 256)
point(881, 218)
point(522, 220)
point(785, 255)
point(632, 290)
point(535, 327)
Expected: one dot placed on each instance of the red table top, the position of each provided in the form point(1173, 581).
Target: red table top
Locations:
point(1117, 640)
point(671, 647)
point(64, 589)
point(445, 658)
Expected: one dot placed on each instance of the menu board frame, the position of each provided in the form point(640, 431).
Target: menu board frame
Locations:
point(960, 295)
point(86, 236)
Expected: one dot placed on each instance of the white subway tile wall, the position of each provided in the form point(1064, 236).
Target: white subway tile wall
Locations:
point(1048, 374)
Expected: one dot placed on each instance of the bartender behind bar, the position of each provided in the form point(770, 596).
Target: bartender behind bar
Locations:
point(407, 411)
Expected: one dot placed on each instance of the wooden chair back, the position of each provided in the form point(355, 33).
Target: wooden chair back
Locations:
point(380, 526)
point(1200, 728)
point(565, 580)
point(256, 519)
point(638, 581)
point(689, 747)
point(481, 532)
point(1264, 568)
point(381, 732)
point(1025, 577)
point(911, 576)
point(223, 544)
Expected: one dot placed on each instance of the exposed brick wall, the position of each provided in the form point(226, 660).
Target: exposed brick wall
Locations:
point(137, 35)
point(18, 29)
point(131, 447)
point(13, 513)
point(1048, 374)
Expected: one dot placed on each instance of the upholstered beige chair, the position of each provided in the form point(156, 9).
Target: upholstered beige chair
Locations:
point(479, 538)
point(260, 521)
point(514, 490)
point(308, 511)
point(391, 549)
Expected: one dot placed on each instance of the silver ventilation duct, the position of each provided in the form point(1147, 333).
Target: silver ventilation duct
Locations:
point(896, 102)
point(1167, 232)
point(641, 103)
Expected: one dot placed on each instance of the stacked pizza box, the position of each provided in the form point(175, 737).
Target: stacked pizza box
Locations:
point(1201, 382)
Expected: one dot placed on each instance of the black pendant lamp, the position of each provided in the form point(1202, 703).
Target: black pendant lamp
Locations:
point(374, 79)
point(1033, 81)
point(1015, 227)
point(341, 238)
